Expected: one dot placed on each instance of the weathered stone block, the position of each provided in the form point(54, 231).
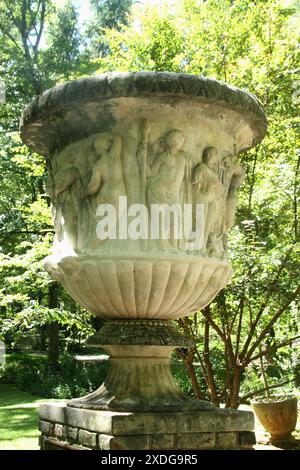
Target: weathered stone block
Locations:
point(42, 442)
point(87, 438)
point(162, 441)
point(72, 433)
point(246, 439)
point(182, 422)
point(60, 431)
point(205, 440)
point(46, 427)
point(130, 443)
point(123, 423)
point(55, 412)
point(107, 442)
point(160, 431)
point(227, 440)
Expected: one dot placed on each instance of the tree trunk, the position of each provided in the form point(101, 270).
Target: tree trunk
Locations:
point(192, 374)
point(233, 401)
point(53, 328)
point(53, 348)
point(43, 346)
point(210, 375)
point(188, 362)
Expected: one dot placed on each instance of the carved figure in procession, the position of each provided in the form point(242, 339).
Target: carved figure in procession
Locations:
point(214, 246)
point(224, 171)
point(167, 175)
point(168, 170)
point(231, 174)
point(68, 193)
point(107, 180)
point(231, 201)
point(208, 190)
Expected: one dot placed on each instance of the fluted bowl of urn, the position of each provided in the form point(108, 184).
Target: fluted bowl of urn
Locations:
point(133, 159)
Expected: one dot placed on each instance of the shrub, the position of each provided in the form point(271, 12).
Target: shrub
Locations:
point(69, 379)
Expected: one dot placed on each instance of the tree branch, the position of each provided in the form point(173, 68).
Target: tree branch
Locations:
point(34, 16)
point(42, 23)
point(272, 288)
point(269, 325)
point(261, 390)
point(10, 36)
point(206, 313)
point(276, 347)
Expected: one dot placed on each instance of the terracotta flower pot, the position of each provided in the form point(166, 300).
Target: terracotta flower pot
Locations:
point(278, 416)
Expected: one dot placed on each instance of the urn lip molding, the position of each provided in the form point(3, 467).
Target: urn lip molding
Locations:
point(52, 112)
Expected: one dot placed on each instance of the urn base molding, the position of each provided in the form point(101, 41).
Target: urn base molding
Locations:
point(139, 378)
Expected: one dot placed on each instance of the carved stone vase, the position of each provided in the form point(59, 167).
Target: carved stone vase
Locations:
point(120, 141)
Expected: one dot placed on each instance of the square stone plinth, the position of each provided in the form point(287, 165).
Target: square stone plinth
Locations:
point(68, 428)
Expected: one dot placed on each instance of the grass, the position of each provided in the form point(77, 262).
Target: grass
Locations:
point(18, 419)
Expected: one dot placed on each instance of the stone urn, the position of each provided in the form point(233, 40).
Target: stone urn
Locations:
point(278, 416)
point(143, 174)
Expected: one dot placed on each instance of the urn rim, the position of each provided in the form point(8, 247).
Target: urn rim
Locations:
point(38, 122)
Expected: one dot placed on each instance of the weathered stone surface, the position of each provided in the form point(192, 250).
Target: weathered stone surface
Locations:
point(147, 332)
point(135, 136)
point(227, 440)
point(60, 431)
point(195, 440)
point(105, 441)
point(118, 423)
point(139, 377)
point(164, 431)
point(46, 428)
point(130, 442)
point(84, 419)
point(124, 146)
point(212, 421)
point(72, 433)
point(162, 441)
point(87, 438)
point(56, 101)
point(55, 412)
point(246, 439)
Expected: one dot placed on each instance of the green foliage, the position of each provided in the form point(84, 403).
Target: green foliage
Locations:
point(107, 15)
point(35, 375)
point(63, 42)
point(249, 44)
point(111, 13)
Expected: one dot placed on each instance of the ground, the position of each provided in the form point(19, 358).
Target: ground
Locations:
point(19, 422)
point(19, 419)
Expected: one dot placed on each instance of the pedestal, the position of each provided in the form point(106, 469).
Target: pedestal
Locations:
point(68, 428)
point(139, 406)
